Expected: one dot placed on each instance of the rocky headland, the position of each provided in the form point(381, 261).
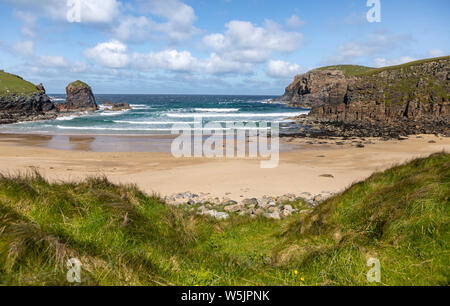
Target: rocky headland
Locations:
point(357, 101)
point(23, 101)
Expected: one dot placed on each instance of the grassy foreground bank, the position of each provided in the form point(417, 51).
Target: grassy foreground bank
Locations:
point(124, 237)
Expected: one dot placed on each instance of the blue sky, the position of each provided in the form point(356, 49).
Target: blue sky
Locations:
point(209, 46)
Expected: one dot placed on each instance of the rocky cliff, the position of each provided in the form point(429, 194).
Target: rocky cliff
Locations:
point(79, 98)
point(415, 92)
point(315, 88)
point(22, 101)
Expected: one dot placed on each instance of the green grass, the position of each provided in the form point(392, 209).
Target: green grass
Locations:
point(349, 70)
point(400, 216)
point(13, 84)
point(79, 84)
point(402, 66)
point(356, 70)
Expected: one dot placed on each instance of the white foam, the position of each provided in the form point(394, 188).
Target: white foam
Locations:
point(113, 113)
point(239, 115)
point(66, 118)
point(155, 122)
point(217, 110)
point(57, 99)
point(153, 129)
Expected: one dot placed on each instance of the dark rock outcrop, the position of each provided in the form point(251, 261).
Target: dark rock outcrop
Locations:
point(17, 107)
point(115, 106)
point(315, 88)
point(79, 98)
point(408, 99)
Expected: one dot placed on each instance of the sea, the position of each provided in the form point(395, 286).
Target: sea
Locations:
point(157, 114)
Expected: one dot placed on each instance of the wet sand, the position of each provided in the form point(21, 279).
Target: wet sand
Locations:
point(145, 161)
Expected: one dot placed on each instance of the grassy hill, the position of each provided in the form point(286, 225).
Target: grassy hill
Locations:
point(13, 84)
point(124, 237)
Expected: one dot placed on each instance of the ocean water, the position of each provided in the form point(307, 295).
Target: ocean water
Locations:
point(156, 114)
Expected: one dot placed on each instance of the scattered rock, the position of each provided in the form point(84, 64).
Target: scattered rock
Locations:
point(327, 175)
point(274, 215)
point(249, 202)
point(115, 106)
point(234, 208)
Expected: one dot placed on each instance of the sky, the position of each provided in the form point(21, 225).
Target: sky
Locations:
point(250, 47)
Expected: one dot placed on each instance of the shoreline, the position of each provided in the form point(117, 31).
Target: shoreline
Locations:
point(313, 166)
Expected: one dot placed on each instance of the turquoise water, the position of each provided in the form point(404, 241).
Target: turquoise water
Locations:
point(156, 114)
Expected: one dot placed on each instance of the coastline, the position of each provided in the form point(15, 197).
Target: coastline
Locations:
point(313, 166)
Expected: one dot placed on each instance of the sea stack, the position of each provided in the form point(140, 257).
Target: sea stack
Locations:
point(79, 98)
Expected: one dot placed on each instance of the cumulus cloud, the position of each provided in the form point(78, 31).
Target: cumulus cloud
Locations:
point(214, 64)
point(245, 42)
point(133, 28)
point(382, 62)
point(168, 59)
point(112, 54)
point(436, 53)
point(281, 69)
point(25, 48)
point(294, 22)
point(180, 18)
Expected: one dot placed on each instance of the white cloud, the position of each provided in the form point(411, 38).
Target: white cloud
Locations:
point(436, 53)
point(92, 11)
point(245, 42)
point(374, 44)
point(168, 59)
point(294, 22)
point(382, 62)
point(112, 54)
point(29, 22)
point(214, 64)
point(25, 48)
point(180, 18)
point(52, 61)
point(99, 11)
point(281, 69)
point(133, 28)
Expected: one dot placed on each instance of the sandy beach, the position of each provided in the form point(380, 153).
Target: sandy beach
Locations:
point(303, 167)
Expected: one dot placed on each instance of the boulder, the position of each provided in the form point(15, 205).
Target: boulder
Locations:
point(249, 202)
point(234, 208)
point(115, 106)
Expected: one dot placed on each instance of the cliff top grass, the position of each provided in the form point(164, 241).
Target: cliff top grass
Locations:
point(356, 70)
point(79, 84)
point(403, 66)
point(13, 84)
point(348, 70)
point(124, 237)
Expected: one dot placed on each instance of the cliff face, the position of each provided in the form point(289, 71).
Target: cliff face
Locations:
point(317, 87)
point(23, 101)
point(18, 108)
point(417, 91)
point(79, 98)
